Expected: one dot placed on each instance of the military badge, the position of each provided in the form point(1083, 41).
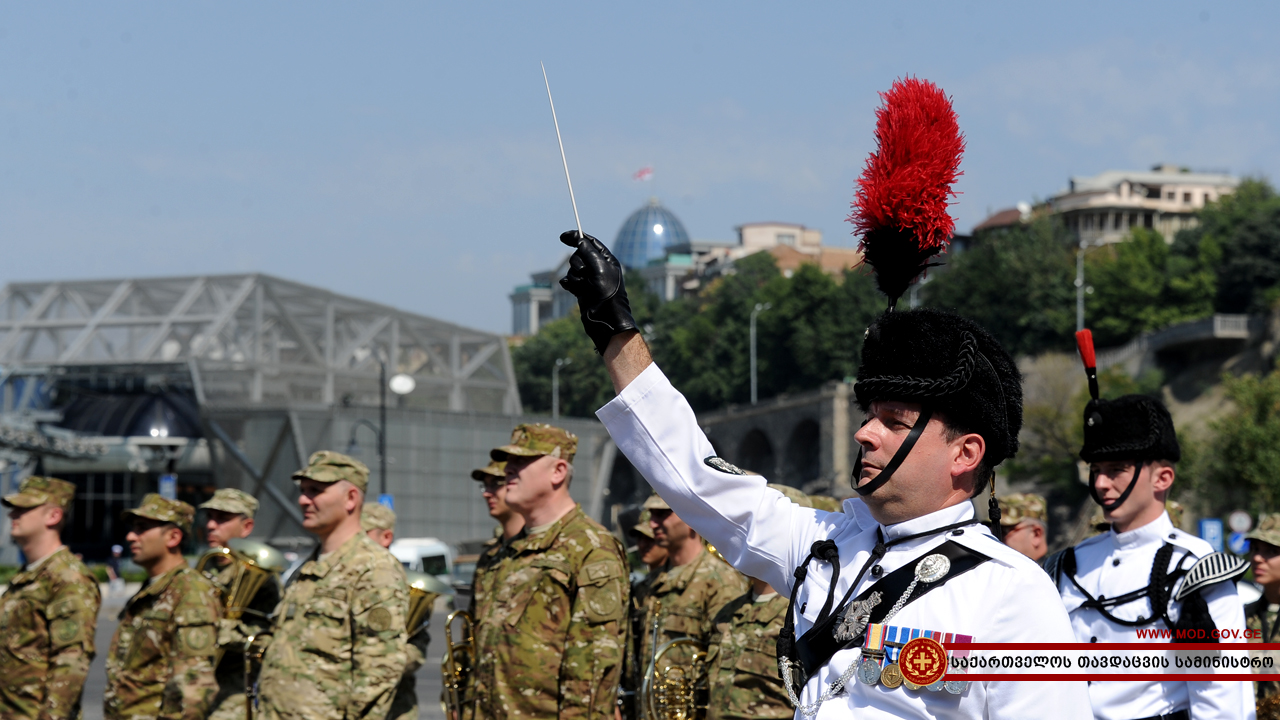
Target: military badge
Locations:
point(723, 466)
point(855, 619)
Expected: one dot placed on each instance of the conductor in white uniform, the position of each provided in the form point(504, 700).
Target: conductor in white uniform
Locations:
point(1144, 574)
point(943, 405)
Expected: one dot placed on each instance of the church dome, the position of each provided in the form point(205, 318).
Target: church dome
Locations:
point(647, 234)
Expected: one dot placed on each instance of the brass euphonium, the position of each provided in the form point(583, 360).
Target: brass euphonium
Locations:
point(255, 563)
point(677, 690)
point(457, 667)
point(423, 591)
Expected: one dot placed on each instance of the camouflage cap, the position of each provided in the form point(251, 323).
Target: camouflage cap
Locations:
point(537, 439)
point(655, 503)
point(327, 466)
point(1016, 507)
point(36, 491)
point(233, 501)
point(495, 469)
point(642, 525)
point(793, 494)
point(156, 507)
point(376, 516)
point(1268, 530)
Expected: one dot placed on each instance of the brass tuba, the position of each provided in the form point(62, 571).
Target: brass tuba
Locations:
point(423, 591)
point(676, 690)
point(457, 666)
point(255, 563)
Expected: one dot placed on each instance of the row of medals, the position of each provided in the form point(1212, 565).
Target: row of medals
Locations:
point(931, 569)
point(890, 676)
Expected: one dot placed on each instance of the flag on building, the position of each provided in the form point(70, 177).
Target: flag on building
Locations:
point(643, 174)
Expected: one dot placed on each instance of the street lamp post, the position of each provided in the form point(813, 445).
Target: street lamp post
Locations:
point(401, 384)
point(760, 307)
point(555, 386)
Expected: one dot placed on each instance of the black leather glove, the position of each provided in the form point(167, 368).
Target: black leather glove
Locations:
point(595, 278)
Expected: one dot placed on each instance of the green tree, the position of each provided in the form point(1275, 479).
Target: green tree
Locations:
point(811, 334)
point(1238, 236)
point(1141, 285)
point(584, 383)
point(1242, 467)
point(1017, 283)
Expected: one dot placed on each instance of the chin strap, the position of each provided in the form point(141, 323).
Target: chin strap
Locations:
point(1109, 507)
point(926, 413)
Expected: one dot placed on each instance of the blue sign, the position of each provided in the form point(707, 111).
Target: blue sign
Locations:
point(169, 486)
point(1211, 532)
point(1238, 544)
point(387, 500)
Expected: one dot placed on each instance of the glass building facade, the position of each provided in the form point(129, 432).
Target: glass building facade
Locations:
point(646, 234)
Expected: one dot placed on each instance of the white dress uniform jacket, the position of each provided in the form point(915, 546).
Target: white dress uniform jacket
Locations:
point(1112, 564)
point(764, 535)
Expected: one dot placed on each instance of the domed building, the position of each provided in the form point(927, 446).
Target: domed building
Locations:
point(647, 234)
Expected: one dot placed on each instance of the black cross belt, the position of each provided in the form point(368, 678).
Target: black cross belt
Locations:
point(818, 645)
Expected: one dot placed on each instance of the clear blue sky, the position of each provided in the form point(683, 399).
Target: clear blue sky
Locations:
point(404, 152)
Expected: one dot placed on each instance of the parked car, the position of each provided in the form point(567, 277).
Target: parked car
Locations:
point(425, 555)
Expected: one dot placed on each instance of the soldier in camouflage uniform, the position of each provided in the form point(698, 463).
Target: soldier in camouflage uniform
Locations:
point(742, 658)
point(230, 515)
point(161, 660)
point(689, 590)
point(48, 612)
point(493, 486)
point(1261, 615)
point(654, 557)
point(551, 639)
point(379, 523)
point(337, 647)
point(1024, 521)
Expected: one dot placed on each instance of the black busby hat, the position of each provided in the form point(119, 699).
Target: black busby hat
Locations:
point(1132, 427)
point(950, 363)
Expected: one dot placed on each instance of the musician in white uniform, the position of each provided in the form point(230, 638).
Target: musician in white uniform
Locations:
point(1144, 573)
point(907, 557)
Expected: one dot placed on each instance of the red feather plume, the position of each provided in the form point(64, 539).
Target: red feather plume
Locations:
point(900, 208)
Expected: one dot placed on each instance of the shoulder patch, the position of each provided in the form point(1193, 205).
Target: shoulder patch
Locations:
point(379, 619)
point(1212, 568)
point(723, 466)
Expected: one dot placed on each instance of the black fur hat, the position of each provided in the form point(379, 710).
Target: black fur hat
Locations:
point(1132, 427)
point(949, 362)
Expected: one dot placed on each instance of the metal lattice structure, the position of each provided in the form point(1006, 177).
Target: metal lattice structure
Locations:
point(255, 340)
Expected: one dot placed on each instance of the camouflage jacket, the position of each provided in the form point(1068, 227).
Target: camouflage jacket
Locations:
point(337, 648)
point(48, 615)
point(486, 569)
point(404, 706)
point(550, 642)
point(232, 633)
point(632, 674)
point(1263, 617)
point(685, 599)
point(161, 659)
point(742, 661)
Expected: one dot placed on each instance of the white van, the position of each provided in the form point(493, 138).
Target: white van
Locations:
point(425, 555)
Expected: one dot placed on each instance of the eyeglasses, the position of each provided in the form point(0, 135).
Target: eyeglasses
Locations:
point(492, 486)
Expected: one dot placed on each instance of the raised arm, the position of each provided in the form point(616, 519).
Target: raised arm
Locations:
point(756, 528)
